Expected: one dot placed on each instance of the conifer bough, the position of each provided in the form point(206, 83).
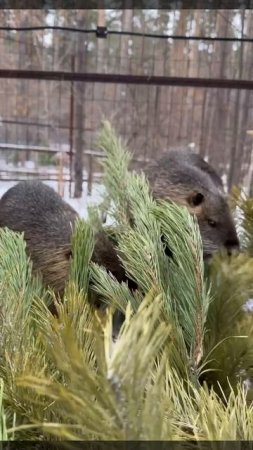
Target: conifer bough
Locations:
point(63, 377)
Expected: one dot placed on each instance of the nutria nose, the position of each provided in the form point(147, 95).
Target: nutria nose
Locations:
point(232, 245)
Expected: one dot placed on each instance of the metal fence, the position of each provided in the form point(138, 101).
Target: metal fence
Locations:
point(57, 85)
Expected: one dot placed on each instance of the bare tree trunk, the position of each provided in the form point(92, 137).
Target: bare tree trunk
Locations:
point(194, 95)
point(79, 110)
point(127, 18)
point(235, 154)
point(248, 180)
point(180, 64)
point(22, 84)
point(124, 117)
point(101, 60)
point(216, 150)
point(244, 143)
point(202, 140)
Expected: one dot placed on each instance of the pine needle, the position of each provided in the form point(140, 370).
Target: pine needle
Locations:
point(179, 367)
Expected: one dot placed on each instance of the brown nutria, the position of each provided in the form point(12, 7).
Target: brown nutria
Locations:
point(47, 222)
point(185, 178)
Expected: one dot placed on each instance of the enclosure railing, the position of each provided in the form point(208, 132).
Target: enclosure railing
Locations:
point(59, 174)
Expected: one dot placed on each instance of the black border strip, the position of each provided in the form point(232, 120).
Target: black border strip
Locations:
point(127, 445)
point(124, 4)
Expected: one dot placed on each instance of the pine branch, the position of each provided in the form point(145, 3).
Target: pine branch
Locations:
point(18, 291)
point(134, 394)
point(179, 277)
point(64, 377)
point(243, 207)
point(111, 291)
point(3, 419)
point(228, 339)
point(82, 249)
point(100, 391)
point(116, 174)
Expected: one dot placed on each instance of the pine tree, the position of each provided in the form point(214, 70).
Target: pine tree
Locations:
point(183, 358)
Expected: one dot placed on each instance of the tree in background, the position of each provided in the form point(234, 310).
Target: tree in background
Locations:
point(150, 118)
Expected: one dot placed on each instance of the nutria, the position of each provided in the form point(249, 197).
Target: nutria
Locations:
point(47, 222)
point(185, 178)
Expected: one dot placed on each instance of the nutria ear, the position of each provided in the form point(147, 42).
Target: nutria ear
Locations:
point(195, 199)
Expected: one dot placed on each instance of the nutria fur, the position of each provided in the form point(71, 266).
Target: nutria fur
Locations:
point(185, 178)
point(47, 222)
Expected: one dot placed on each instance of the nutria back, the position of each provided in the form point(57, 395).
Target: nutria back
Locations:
point(47, 222)
point(185, 178)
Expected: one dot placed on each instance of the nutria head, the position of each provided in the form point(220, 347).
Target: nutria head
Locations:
point(187, 179)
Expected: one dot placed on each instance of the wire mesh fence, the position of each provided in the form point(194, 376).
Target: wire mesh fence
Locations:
point(64, 116)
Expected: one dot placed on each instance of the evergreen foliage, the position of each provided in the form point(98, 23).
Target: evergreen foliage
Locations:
point(180, 367)
point(244, 208)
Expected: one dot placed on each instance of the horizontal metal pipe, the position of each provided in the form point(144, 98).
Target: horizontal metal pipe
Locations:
point(126, 79)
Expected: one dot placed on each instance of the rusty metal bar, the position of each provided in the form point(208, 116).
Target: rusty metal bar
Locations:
point(127, 79)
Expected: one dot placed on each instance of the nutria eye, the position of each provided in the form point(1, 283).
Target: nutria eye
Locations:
point(196, 199)
point(212, 223)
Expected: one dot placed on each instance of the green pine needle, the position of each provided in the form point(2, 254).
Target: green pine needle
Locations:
point(179, 367)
